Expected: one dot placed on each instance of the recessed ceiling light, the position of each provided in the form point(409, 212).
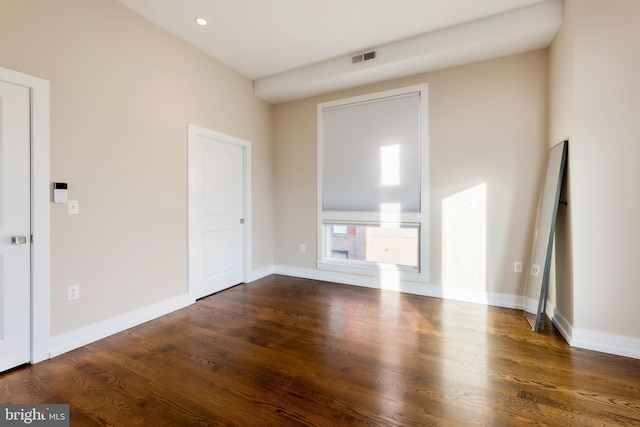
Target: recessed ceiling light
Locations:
point(201, 21)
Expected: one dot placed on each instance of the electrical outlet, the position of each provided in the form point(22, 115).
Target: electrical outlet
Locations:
point(535, 270)
point(517, 267)
point(73, 292)
point(303, 248)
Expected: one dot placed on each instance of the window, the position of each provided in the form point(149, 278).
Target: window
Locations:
point(393, 245)
point(339, 254)
point(340, 229)
point(372, 181)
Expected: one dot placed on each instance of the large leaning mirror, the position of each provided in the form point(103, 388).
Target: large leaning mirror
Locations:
point(540, 265)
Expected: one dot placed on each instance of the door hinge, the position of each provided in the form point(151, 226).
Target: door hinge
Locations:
point(241, 220)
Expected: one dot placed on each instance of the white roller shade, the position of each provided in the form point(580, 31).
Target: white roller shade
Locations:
point(371, 155)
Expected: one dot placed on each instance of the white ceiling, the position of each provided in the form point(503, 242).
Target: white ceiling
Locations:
point(297, 48)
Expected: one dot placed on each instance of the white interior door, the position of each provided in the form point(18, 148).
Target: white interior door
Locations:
point(216, 213)
point(15, 226)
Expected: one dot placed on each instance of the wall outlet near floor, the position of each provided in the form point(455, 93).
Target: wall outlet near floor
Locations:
point(73, 292)
point(303, 248)
point(517, 267)
point(535, 270)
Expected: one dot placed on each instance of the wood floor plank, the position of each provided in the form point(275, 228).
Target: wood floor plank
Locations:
point(283, 351)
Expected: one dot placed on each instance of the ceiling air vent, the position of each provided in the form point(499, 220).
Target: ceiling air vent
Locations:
point(363, 57)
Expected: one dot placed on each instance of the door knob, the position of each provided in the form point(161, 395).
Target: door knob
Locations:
point(18, 240)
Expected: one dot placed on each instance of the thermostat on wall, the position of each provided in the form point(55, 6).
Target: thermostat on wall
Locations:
point(59, 192)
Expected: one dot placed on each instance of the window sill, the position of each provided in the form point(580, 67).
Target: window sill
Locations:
point(375, 270)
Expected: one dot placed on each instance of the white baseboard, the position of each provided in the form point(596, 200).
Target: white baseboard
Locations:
point(417, 288)
point(75, 339)
point(357, 280)
point(606, 343)
point(581, 338)
point(560, 322)
point(260, 273)
point(592, 340)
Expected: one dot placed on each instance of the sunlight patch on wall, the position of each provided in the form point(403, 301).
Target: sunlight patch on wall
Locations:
point(464, 241)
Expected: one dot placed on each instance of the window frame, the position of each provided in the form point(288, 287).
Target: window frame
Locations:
point(421, 218)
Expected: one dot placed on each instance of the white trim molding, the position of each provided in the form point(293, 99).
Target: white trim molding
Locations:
point(593, 340)
point(606, 343)
point(86, 335)
point(260, 273)
point(390, 281)
point(579, 338)
point(560, 322)
point(80, 337)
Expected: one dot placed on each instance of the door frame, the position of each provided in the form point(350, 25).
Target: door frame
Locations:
point(193, 132)
point(40, 209)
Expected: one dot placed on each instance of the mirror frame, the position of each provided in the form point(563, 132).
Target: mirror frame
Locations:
point(537, 287)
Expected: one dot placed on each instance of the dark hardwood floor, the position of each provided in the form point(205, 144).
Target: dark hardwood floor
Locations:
point(282, 351)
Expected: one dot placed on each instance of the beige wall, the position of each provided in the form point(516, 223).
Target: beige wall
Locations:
point(122, 93)
point(598, 58)
point(488, 124)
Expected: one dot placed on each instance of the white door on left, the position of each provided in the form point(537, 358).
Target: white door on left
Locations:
point(15, 226)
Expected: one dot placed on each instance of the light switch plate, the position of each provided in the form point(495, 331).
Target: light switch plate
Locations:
point(73, 207)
